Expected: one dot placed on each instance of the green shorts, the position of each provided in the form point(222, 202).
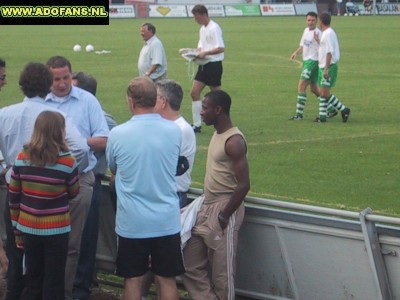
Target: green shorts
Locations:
point(331, 81)
point(309, 70)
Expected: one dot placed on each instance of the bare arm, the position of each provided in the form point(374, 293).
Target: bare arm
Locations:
point(327, 64)
point(236, 149)
point(97, 143)
point(151, 69)
point(203, 54)
point(296, 52)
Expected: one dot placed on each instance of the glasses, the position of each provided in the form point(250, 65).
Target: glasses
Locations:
point(3, 77)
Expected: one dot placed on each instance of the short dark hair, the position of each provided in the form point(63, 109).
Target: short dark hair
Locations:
point(150, 27)
point(220, 98)
point(312, 14)
point(325, 18)
point(2, 63)
point(86, 82)
point(142, 91)
point(57, 61)
point(172, 90)
point(35, 80)
point(200, 9)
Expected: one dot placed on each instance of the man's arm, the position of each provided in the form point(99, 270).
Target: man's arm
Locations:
point(236, 149)
point(296, 52)
point(98, 143)
point(203, 54)
point(327, 64)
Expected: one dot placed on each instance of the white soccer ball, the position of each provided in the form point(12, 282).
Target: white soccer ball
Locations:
point(77, 48)
point(89, 48)
point(345, 14)
point(356, 14)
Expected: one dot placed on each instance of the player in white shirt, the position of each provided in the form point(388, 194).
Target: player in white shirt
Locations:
point(309, 73)
point(328, 58)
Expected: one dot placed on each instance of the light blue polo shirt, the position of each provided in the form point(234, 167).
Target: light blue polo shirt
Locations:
point(143, 153)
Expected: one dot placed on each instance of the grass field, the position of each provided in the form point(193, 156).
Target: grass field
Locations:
point(351, 166)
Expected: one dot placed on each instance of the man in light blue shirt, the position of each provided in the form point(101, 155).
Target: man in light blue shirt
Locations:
point(143, 153)
point(17, 123)
point(88, 117)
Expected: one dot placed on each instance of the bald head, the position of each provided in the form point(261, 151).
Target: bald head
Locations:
point(142, 92)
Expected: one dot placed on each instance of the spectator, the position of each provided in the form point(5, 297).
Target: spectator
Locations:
point(88, 116)
point(3, 256)
point(86, 265)
point(43, 180)
point(169, 99)
point(16, 123)
point(143, 153)
point(214, 236)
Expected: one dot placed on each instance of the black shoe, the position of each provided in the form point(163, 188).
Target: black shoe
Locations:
point(345, 114)
point(318, 120)
point(196, 129)
point(296, 118)
point(332, 114)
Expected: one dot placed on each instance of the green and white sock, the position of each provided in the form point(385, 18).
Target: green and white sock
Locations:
point(322, 108)
point(301, 102)
point(334, 101)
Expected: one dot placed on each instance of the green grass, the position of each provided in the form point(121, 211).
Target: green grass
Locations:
point(353, 165)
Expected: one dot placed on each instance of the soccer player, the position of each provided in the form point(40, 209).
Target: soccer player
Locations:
point(328, 57)
point(309, 73)
point(210, 46)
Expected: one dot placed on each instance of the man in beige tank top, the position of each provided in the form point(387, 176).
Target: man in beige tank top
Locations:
point(214, 236)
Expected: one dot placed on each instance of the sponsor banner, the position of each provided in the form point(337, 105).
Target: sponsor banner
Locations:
point(277, 10)
point(167, 11)
point(213, 10)
point(242, 10)
point(122, 11)
point(206, 2)
point(138, 1)
point(304, 8)
point(54, 12)
point(388, 8)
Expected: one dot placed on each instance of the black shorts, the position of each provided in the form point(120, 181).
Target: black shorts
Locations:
point(210, 74)
point(166, 256)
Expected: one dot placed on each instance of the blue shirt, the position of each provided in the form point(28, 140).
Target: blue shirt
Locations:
point(143, 152)
point(86, 113)
point(17, 122)
point(101, 166)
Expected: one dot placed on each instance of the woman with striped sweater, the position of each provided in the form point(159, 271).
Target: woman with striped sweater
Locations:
point(43, 180)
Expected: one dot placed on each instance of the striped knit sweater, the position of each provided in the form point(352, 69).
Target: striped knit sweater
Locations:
point(39, 196)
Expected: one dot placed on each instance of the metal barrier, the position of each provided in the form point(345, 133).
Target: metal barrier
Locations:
point(293, 251)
